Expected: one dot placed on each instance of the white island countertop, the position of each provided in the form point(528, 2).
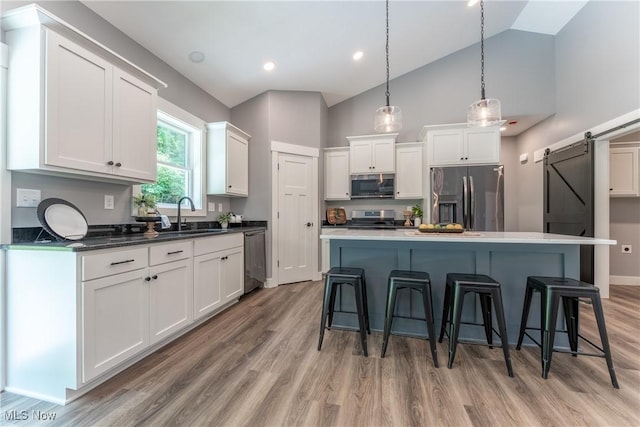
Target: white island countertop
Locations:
point(468, 236)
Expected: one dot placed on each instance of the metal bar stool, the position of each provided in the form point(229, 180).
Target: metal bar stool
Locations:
point(488, 290)
point(552, 290)
point(336, 277)
point(412, 280)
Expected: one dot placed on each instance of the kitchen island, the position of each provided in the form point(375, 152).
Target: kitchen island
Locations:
point(508, 257)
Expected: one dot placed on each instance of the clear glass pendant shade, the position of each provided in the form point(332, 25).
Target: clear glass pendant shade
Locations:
point(388, 119)
point(485, 112)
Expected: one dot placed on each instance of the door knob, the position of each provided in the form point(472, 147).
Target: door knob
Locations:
point(309, 224)
point(118, 164)
point(110, 163)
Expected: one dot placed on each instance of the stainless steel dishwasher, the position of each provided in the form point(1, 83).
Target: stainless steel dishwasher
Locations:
point(255, 272)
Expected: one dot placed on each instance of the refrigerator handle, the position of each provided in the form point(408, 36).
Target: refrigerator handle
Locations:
point(465, 203)
point(472, 204)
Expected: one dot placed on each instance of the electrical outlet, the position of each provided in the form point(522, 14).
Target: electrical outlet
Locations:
point(212, 207)
point(108, 201)
point(626, 249)
point(26, 198)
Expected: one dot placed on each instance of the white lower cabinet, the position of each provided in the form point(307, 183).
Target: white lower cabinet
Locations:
point(170, 299)
point(232, 286)
point(100, 310)
point(218, 275)
point(115, 322)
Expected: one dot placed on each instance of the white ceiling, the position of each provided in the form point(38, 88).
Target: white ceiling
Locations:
point(312, 42)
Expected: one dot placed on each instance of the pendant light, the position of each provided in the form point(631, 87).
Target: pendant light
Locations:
point(485, 112)
point(388, 118)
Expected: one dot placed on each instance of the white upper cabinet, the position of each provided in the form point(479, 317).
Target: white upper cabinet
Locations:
point(409, 171)
point(227, 160)
point(624, 179)
point(71, 110)
point(336, 174)
point(459, 145)
point(372, 153)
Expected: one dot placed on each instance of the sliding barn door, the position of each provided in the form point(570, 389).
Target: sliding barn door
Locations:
point(568, 197)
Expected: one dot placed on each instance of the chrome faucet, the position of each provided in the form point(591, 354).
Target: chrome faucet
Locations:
point(193, 208)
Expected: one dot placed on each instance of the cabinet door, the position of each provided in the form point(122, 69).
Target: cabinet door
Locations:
point(170, 298)
point(115, 321)
point(232, 284)
point(336, 175)
point(623, 172)
point(383, 156)
point(409, 173)
point(206, 284)
point(360, 158)
point(237, 165)
point(78, 107)
point(445, 147)
point(482, 145)
point(134, 128)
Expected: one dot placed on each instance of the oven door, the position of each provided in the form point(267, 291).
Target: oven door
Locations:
point(375, 186)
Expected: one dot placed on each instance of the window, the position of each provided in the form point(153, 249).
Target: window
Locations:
point(180, 161)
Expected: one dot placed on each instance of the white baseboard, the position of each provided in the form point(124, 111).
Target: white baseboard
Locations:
point(625, 280)
point(270, 283)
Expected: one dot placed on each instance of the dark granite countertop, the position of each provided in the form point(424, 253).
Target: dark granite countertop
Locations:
point(121, 240)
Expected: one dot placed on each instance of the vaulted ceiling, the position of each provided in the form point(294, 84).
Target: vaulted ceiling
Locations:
point(312, 43)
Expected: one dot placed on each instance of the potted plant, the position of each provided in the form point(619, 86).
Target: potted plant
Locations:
point(224, 219)
point(417, 214)
point(144, 202)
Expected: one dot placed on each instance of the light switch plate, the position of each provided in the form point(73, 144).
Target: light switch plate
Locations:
point(26, 198)
point(219, 207)
point(212, 207)
point(108, 201)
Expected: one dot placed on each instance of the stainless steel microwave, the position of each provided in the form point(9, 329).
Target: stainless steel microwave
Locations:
point(373, 186)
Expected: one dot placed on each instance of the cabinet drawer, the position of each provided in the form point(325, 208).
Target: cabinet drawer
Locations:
point(113, 262)
point(207, 245)
point(160, 254)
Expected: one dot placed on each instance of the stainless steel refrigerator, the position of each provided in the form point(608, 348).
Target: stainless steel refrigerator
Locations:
point(469, 195)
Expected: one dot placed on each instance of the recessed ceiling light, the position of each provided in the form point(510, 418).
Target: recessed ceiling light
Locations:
point(196, 56)
point(503, 128)
point(358, 55)
point(472, 3)
point(268, 66)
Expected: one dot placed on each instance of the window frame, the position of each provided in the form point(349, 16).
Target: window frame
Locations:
point(195, 127)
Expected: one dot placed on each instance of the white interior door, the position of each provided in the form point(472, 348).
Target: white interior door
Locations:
point(297, 245)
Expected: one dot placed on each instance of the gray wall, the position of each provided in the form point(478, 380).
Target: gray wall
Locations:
point(519, 70)
point(88, 195)
point(285, 116)
point(597, 69)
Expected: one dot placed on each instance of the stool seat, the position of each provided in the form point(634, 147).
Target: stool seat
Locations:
point(472, 279)
point(409, 276)
point(346, 272)
point(552, 290)
point(488, 290)
point(414, 280)
point(562, 284)
point(336, 277)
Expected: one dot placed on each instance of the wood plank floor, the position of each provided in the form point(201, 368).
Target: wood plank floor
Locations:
point(256, 364)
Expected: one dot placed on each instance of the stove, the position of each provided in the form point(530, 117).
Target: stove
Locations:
point(373, 219)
